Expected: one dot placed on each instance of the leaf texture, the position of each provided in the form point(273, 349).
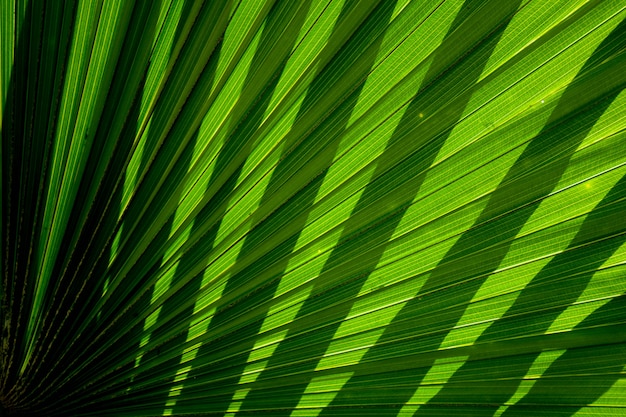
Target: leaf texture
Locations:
point(313, 208)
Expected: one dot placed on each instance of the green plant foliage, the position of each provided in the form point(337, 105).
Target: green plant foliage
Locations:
point(313, 208)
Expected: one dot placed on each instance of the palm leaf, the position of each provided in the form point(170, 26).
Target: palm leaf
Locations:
point(313, 208)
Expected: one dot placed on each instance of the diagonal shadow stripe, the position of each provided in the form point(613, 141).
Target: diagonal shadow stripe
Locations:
point(296, 12)
point(588, 384)
point(110, 309)
point(159, 395)
point(550, 295)
point(330, 74)
point(142, 191)
point(606, 219)
point(304, 198)
point(479, 251)
point(317, 344)
point(539, 293)
point(113, 383)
